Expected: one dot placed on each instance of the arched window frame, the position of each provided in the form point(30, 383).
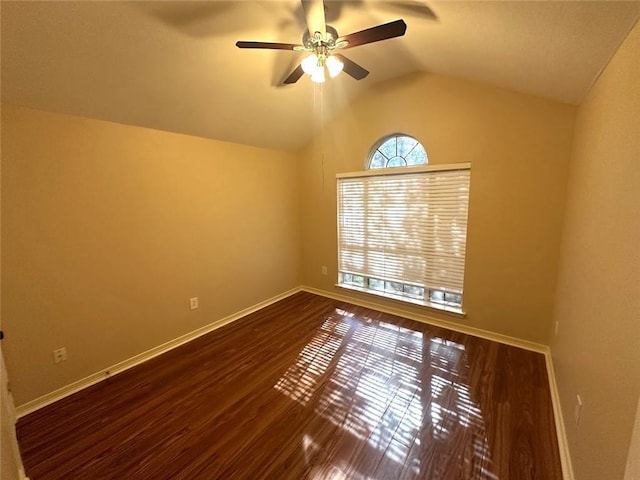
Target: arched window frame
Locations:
point(408, 156)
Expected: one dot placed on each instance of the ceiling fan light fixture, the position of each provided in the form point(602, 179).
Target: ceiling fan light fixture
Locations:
point(313, 65)
point(334, 65)
point(310, 64)
point(318, 75)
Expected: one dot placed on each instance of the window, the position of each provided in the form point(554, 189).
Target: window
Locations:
point(402, 231)
point(397, 151)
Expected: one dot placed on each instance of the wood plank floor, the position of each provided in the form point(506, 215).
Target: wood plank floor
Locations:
point(308, 388)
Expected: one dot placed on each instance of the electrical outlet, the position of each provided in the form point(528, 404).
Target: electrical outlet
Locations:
point(59, 355)
point(324, 270)
point(577, 410)
point(193, 303)
point(557, 325)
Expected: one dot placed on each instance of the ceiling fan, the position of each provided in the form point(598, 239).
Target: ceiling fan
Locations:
point(322, 41)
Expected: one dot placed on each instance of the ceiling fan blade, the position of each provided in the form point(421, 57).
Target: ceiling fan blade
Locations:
point(393, 29)
point(268, 45)
point(314, 14)
point(352, 68)
point(294, 76)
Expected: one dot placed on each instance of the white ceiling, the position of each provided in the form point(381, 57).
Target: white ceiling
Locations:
point(174, 65)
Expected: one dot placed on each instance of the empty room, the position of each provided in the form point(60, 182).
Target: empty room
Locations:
point(320, 240)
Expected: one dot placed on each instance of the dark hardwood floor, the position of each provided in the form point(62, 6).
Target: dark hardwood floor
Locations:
point(308, 388)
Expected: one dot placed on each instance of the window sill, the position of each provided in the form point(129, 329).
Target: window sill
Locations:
point(454, 311)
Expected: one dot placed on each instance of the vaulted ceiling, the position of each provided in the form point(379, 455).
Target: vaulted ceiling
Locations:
point(174, 65)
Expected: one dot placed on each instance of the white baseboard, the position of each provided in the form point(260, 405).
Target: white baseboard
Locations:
point(456, 327)
point(563, 444)
point(83, 383)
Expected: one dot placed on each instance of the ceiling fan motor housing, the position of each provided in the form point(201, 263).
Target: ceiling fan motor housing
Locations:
point(317, 41)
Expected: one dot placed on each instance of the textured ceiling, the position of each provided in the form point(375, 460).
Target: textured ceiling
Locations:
point(174, 65)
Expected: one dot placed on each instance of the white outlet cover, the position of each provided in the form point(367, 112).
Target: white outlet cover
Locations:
point(193, 303)
point(60, 355)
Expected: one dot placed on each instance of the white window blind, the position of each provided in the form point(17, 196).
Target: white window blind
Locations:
point(404, 232)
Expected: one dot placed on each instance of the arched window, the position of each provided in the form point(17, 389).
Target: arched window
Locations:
point(397, 150)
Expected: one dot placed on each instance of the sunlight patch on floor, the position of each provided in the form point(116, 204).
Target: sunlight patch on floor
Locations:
point(377, 389)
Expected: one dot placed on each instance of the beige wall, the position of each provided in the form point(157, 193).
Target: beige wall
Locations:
point(519, 147)
point(109, 229)
point(597, 351)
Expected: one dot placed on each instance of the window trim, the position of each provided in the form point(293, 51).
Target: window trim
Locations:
point(384, 172)
point(435, 307)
